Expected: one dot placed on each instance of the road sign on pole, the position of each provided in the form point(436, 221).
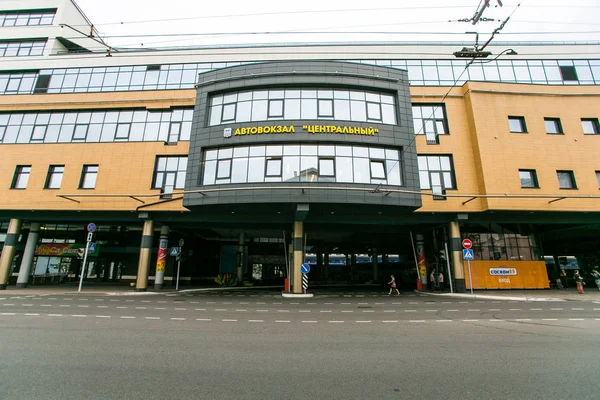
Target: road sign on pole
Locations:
point(304, 282)
point(305, 268)
point(468, 256)
point(467, 243)
point(91, 227)
point(174, 251)
point(181, 242)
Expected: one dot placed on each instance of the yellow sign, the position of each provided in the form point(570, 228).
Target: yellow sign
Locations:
point(507, 275)
point(275, 129)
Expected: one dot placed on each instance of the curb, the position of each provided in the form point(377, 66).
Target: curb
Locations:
point(490, 297)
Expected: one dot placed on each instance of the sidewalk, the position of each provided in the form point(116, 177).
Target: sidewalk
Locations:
point(591, 294)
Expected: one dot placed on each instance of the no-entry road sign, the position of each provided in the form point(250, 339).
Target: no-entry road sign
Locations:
point(467, 244)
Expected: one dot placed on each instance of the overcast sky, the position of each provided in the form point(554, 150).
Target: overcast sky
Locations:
point(335, 21)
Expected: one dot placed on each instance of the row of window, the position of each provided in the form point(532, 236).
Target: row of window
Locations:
point(54, 177)
point(566, 179)
point(27, 17)
point(20, 48)
point(184, 76)
point(97, 126)
point(294, 104)
point(590, 126)
point(302, 163)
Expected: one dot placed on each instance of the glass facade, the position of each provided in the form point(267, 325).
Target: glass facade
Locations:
point(126, 125)
point(21, 48)
point(27, 17)
point(502, 245)
point(298, 104)
point(302, 163)
point(436, 172)
point(420, 73)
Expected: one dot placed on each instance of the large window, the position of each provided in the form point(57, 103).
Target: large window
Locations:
point(27, 17)
point(89, 175)
point(492, 242)
point(291, 104)
point(55, 176)
point(16, 48)
point(302, 163)
point(436, 172)
point(126, 125)
point(430, 120)
point(21, 177)
point(169, 173)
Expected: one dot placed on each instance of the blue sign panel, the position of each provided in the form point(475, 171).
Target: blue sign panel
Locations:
point(174, 251)
point(468, 255)
point(91, 227)
point(305, 268)
point(92, 247)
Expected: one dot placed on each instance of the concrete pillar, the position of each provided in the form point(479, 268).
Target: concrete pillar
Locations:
point(161, 260)
point(145, 254)
point(421, 261)
point(375, 265)
point(27, 261)
point(240, 259)
point(9, 250)
point(319, 256)
point(456, 257)
point(298, 257)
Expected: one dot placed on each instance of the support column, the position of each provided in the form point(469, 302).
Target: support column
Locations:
point(240, 260)
point(298, 256)
point(456, 257)
point(319, 257)
point(27, 261)
point(141, 283)
point(326, 263)
point(375, 266)
point(161, 260)
point(9, 250)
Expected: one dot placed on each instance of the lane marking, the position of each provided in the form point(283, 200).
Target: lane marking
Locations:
point(388, 321)
point(577, 309)
point(127, 317)
point(260, 310)
point(256, 320)
point(535, 309)
point(180, 309)
point(160, 308)
point(368, 311)
point(496, 320)
point(514, 309)
point(203, 319)
point(387, 311)
point(101, 306)
point(239, 310)
point(220, 309)
point(347, 311)
point(7, 304)
point(576, 319)
point(145, 301)
point(140, 308)
point(102, 316)
point(451, 310)
point(336, 322)
point(430, 310)
point(443, 320)
point(79, 316)
point(46, 305)
point(8, 313)
point(549, 319)
point(410, 310)
point(83, 306)
point(417, 320)
point(309, 322)
point(362, 322)
point(55, 315)
point(282, 321)
point(493, 309)
point(178, 319)
point(152, 318)
point(470, 320)
point(229, 320)
point(474, 309)
point(121, 307)
point(27, 305)
point(556, 309)
point(31, 314)
point(283, 310)
point(523, 319)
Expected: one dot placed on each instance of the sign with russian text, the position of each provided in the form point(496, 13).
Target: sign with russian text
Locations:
point(64, 250)
point(314, 129)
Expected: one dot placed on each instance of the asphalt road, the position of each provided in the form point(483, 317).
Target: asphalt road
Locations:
point(256, 345)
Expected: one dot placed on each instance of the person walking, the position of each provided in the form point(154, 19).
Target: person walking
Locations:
point(578, 281)
point(563, 278)
point(432, 280)
point(596, 276)
point(441, 281)
point(393, 286)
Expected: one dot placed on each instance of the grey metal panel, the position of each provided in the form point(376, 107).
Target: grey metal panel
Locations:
point(304, 73)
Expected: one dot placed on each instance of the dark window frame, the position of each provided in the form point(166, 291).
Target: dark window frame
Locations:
point(156, 171)
point(557, 124)
point(595, 125)
point(377, 161)
point(51, 172)
point(571, 178)
point(273, 159)
point(534, 178)
point(521, 121)
point(219, 162)
point(367, 111)
point(270, 101)
point(598, 178)
point(452, 170)
point(84, 172)
point(223, 120)
point(319, 114)
point(18, 172)
point(321, 175)
point(567, 72)
point(117, 137)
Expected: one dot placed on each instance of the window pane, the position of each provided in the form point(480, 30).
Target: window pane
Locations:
point(326, 167)
point(377, 170)
point(273, 167)
point(228, 112)
point(527, 179)
point(362, 170)
point(292, 109)
point(210, 169)
point(244, 111)
point(291, 169)
point(344, 171)
point(358, 111)
point(256, 169)
point(276, 108)
point(342, 110)
point(224, 169)
point(239, 170)
point(259, 110)
point(373, 111)
point(309, 109)
point(325, 108)
point(308, 168)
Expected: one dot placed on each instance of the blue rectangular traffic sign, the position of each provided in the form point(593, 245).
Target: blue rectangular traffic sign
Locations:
point(92, 247)
point(468, 255)
point(174, 251)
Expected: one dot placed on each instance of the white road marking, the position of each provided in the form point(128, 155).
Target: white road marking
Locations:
point(387, 311)
point(55, 315)
point(473, 309)
point(446, 302)
point(203, 319)
point(121, 307)
point(282, 321)
point(140, 308)
point(239, 310)
point(336, 322)
point(470, 320)
point(102, 316)
point(178, 319)
point(27, 305)
point(577, 309)
point(399, 302)
point(8, 313)
point(332, 303)
point(152, 317)
point(347, 311)
point(523, 319)
point(309, 322)
point(229, 320)
point(145, 301)
point(283, 310)
point(160, 301)
point(413, 302)
point(576, 319)
point(7, 304)
point(51, 298)
point(443, 320)
point(388, 321)
point(494, 309)
point(417, 320)
point(180, 309)
point(46, 305)
point(127, 317)
point(451, 310)
point(368, 311)
point(221, 309)
point(256, 320)
point(345, 304)
point(556, 309)
point(260, 310)
point(410, 310)
point(462, 302)
point(160, 308)
point(31, 314)
point(514, 309)
point(83, 306)
point(549, 319)
point(535, 309)
point(496, 320)
point(78, 316)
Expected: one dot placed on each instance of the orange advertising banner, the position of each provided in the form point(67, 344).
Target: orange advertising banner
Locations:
point(504, 274)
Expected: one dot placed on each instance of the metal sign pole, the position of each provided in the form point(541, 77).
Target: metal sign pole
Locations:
point(470, 277)
point(449, 269)
point(85, 254)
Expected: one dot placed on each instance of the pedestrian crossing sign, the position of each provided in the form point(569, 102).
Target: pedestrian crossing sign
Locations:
point(468, 255)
